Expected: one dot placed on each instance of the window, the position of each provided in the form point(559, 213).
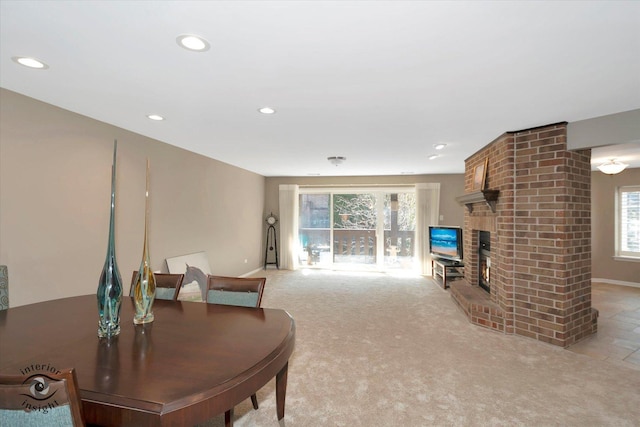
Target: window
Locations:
point(364, 227)
point(628, 222)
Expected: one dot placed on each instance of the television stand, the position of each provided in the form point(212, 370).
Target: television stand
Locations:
point(444, 270)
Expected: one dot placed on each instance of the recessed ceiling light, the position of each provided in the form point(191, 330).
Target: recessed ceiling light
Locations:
point(193, 42)
point(439, 146)
point(155, 117)
point(30, 62)
point(267, 110)
point(433, 156)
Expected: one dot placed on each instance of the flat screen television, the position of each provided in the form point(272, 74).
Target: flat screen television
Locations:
point(445, 242)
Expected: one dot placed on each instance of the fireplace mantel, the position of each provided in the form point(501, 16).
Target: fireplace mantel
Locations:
point(488, 196)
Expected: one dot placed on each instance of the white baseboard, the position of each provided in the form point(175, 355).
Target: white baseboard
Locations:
point(616, 282)
point(260, 269)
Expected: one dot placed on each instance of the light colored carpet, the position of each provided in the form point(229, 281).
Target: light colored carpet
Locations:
point(378, 350)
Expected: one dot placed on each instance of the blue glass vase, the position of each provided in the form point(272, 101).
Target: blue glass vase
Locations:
point(110, 285)
point(144, 289)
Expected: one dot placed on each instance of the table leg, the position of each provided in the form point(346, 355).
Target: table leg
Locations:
point(281, 389)
point(228, 418)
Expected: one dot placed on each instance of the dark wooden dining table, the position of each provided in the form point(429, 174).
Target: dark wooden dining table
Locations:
point(194, 361)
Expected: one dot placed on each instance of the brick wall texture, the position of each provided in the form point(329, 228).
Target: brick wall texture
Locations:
point(540, 234)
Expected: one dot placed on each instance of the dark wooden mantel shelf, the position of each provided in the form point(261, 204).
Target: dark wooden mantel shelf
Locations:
point(488, 196)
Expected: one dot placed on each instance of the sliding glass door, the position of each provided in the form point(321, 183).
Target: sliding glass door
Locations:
point(354, 229)
point(400, 230)
point(357, 229)
point(315, 229)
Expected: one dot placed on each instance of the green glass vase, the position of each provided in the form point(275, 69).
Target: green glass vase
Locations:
point(110, 284)
point(144, 290)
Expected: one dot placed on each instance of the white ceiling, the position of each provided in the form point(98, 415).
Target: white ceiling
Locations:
point(377, 82)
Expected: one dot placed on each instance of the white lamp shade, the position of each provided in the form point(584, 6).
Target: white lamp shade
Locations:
point(612, 167)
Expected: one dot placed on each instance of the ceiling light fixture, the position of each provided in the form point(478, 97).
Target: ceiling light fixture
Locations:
point(336, 160)
point(439, 146)
point(155, 117)
point(30, 62)
point(433, 156)
point(266, 110)
point(612, 167)
point(193, 42)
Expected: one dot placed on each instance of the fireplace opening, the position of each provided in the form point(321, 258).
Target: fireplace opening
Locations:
point(484, 260)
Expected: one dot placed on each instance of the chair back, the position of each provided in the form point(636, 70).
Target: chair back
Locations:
point(41, 399)
point(167, 285)
point(240, 291)
point(4, 287)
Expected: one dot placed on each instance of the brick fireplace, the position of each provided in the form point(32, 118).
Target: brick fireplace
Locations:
point(537, 213)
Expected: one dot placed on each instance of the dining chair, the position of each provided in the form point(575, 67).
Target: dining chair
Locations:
point(4, 287)
point(238, 291)
point(41, 399)
point(167, 285)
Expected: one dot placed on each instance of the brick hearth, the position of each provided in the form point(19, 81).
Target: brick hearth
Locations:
point(540, 238)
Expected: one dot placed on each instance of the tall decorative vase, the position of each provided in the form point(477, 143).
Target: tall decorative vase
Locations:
point(110, 285)
point(144, 290)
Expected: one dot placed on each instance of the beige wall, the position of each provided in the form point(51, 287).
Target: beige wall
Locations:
point(619, 128)
point(603, 189)
point(55, 171)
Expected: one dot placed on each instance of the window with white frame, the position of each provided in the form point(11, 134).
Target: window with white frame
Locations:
point(628, 221)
